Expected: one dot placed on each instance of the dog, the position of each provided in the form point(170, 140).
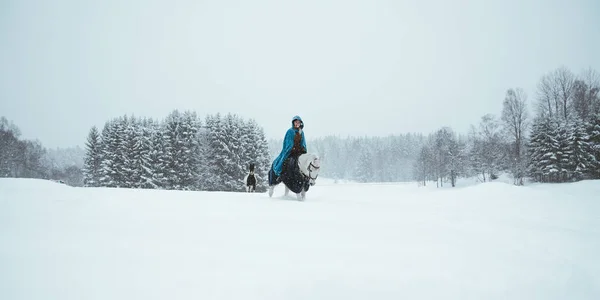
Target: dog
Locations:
point(251, 180)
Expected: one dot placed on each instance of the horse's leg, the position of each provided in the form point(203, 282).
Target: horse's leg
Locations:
point(271, 188)
point(302, 195)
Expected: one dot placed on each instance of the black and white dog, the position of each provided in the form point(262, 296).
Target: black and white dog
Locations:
point(251, 180)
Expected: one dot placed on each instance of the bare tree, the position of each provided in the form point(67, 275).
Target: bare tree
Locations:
point(515, 121)
point(585, 94)
point(487, 147)
point(555, 93)
point(581, 101)
point(564, 80)
point(547, 95)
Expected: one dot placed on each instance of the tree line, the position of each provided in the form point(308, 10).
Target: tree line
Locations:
point(557, 139)
point(554, 138)
point(364, 159)
point(20, 158)
point(560, 143)
point(180, 152)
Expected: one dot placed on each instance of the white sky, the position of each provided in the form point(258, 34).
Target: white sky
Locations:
point(347, 67)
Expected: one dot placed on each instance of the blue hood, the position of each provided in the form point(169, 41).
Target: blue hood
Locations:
point(299, 119)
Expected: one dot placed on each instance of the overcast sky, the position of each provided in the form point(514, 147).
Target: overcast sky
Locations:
point(346, 67)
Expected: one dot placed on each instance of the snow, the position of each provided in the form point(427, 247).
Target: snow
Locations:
point(346, 241)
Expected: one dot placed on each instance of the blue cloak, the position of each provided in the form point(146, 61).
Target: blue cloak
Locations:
point(288, 144)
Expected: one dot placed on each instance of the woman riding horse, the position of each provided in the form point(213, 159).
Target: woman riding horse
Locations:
point(294, 144)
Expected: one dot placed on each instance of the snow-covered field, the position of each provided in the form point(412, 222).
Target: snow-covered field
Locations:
point(347, 241)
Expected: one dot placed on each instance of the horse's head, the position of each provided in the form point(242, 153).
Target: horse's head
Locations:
point(309, 166)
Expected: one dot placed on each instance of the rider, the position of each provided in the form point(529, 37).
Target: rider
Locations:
point(294, 145)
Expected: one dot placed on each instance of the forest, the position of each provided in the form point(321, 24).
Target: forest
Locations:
point(553, 138)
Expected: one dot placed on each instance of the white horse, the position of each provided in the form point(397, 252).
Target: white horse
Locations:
point(309, 166)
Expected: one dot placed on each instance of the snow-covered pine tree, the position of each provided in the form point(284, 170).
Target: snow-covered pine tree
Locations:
point(93, 159)
point(190, 143)
point(353, 154)
point(203, 171)
point(157, 159)
point(423, 168)
point(247, 145)
point(564, 151)
point(175, 150)
point(263, 161)
point(401, 158)
point(441, 150)
point(534, 168)
point(364, 167)
point(31, 154)
point(130, 149)
point(379, 160)
point(255, 150)
point(593, 130)
point(10, 150)
point(111, 164)
point(234, 170)
point(543, 150)
point(143, 142)
point(139, 164)
point(581, 161)
point(214, 154)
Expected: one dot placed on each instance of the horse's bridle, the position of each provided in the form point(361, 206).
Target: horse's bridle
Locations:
point(310, 171)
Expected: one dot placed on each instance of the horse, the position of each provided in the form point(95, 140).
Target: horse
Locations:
point(299, 174)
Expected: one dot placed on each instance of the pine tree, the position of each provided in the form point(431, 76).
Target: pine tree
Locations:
point(174, 150)
point(581, 161)
point(247, 144)
point(157, 159)
point(113, 153)
point(9, 148)
point(215, 156)
point(93, 158)
point(203, 157)
point(593, 130)
point(533, 150)
point(234, 171)
point(543, 150)
point(423, 165)
point(364, 168)
point(130, 149)
point(255, 150)
point(263, 162)
point(108, 165)
point(190, 146)
point(563, 151)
